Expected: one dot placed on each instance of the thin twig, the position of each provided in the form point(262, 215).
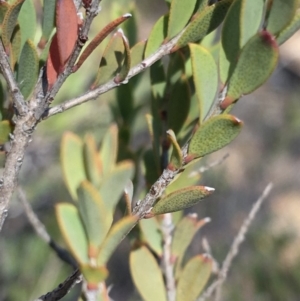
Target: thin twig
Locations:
point(93, 94)
point(63, 288)
point(41, 231)
point(29, 116)
point(234, 249)
point(8, 74)
point(91, 14)
point(167, 228)
point(203, 169)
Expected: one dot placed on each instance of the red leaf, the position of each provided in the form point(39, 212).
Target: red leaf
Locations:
point(53, 63)
point(67, 29)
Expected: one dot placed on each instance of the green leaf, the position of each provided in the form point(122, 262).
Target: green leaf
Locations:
point(3, 9)
point(205, 75)
point(48, 20)
point(116, 234)
point(111, 61)
point(180, 14)
point(93, 275)
point(5, 129)
point(184, 179)
point(10, 21)
point(72, 230)
point(143, 264)
point(137, 53)
point(109, 150)
point(183, 235)
point(250, 19)
point(240, 24)
point(121, 76)
point(194, 277)
point(280, 15)
point(27, 21)
point(176, 157)
point(178, 104)
point(113, 185)
point(181, 199)
point(71, 158)
point(96, 218)
point(289, 30)
point(204, 23)
point(28, 68)
point(256, 63)
point(152, 234)
point(214, 134)
point(15, 46)
point(91, 160)
point(176, 68)
point(99, 38)
point(157, 35)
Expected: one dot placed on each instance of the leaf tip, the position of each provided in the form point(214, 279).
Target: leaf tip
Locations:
point(209, 189)
point(268, 38)
point(227, 102)
point(128, 15)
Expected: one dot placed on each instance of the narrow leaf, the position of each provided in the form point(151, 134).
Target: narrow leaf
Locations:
point(176, 157)
point(109, 150)
point(176, 67)
point(48, 21)
point(28, 68)
point(91, 160)
point(194, 277)
point(10, 21)
point(15, 46)
point(96, 218)
point(181, 199)
point(280, 14)
point(98, 39)
point(143, 264)
point(178, 104)
point(180, 13)
point(113, 185)
point(118, 231)
point(27, 21)
point(256, 63)
point(3, 9)
point(53, 63)
point(152, 234)
point(242, 21)
point(183, 235)
point(66, 29)
point(72, 230)
point(137, 53)
point(5, 129)
point(157, 35)
point(111, 61)
point(214, 134)
point(250, 19)
point(121, 76)
point(289, 30)
point(72, 162)
point(205, 22)
point(205, 75)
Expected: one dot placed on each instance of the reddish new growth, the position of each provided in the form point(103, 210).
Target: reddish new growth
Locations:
point(268, 38)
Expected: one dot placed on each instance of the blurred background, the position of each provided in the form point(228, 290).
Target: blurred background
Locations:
point(268, 150)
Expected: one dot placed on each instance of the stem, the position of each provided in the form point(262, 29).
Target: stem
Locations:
point(146, 63)
point(167, 228)
point(234, 249)
point(6, 71)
